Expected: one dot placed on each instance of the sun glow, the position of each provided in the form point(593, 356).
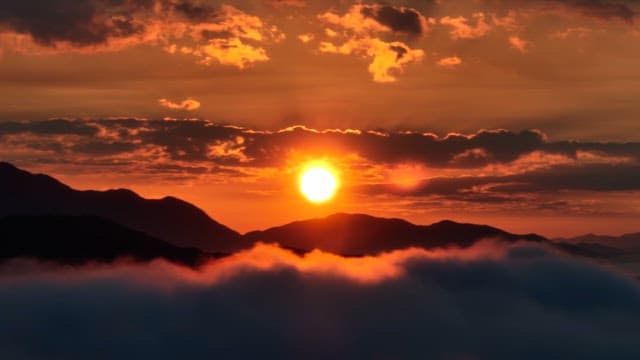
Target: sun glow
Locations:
point(318, 183)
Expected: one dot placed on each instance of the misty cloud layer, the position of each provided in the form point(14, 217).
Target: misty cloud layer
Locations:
point(487, 302)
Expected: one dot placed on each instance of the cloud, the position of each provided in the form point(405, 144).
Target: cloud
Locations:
point(579, 32)
point(191, 140)
point(507, 188)
point(49, 127)
point(400, 20)
point(286, 3)
point(269, 303)
point(462, 29)
point(187, 105)
point(219, 34)
point(388, 58)
point(519, 44)
point(449, 62)
point(229, 40)
point(609, 10)
point(354, 20)
point(79, 23)
point(305, 38)
point(363, 24)
point(604, 9)
point(497, 170)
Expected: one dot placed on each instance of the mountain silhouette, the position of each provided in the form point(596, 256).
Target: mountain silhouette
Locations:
point(170, 219)
point(67, 212)
point(625, 242)
point(75, 240)
point(359, 234)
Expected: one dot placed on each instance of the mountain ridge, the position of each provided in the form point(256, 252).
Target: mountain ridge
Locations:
point(184, 225)
point(169, 218)
point(362, 234)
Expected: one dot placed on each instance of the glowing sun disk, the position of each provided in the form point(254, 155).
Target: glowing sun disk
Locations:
point(318, 184)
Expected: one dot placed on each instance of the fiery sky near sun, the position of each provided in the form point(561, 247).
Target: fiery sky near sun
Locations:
point(512, 112)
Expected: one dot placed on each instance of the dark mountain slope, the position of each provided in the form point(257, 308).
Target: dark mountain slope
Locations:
point(170, 219)
point(363, 234)
point(74, 240)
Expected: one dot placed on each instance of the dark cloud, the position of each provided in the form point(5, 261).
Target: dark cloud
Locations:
point(80, 22)
point(199, 140)
point(624, 10)
point(49, 127)
point(605, 9)
point(104, 148)
point(92, 22)
point(496, 189)
point(524, 304)
point(402, 20)
point(195, 11)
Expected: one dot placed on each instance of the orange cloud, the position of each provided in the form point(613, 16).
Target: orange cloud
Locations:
point(187, 105)
point(230, 52)
point(462, 29)
point(305, 38)
point(354, 20)
point(508, 22)
point(231, 40)
point(224, 34)
point(519, 44)
point(388, 58)
point(362, 23)
point(449, 62)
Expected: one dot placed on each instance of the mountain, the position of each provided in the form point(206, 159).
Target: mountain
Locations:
point(625, 242)
point(358, 234)
point(183, 225)
point(74, 240)
point(169, 219)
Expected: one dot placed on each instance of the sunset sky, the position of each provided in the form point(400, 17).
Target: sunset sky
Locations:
point(520, 114)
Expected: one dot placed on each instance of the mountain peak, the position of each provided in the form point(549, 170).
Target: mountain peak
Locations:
point(360, 234)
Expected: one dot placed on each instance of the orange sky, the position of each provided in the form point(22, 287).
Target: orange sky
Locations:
point(221, 103)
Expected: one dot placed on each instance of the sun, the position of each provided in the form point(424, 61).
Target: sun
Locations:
point(318, 183)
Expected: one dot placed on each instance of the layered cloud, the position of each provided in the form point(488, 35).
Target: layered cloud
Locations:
point(496, 168)
point(391, 35)
point(270, 303)
point(190, 139)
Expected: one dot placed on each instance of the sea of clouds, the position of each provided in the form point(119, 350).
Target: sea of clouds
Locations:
point(491, 301)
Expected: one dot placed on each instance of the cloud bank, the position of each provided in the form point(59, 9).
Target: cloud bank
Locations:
point(486, 302)
point(497, 168)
